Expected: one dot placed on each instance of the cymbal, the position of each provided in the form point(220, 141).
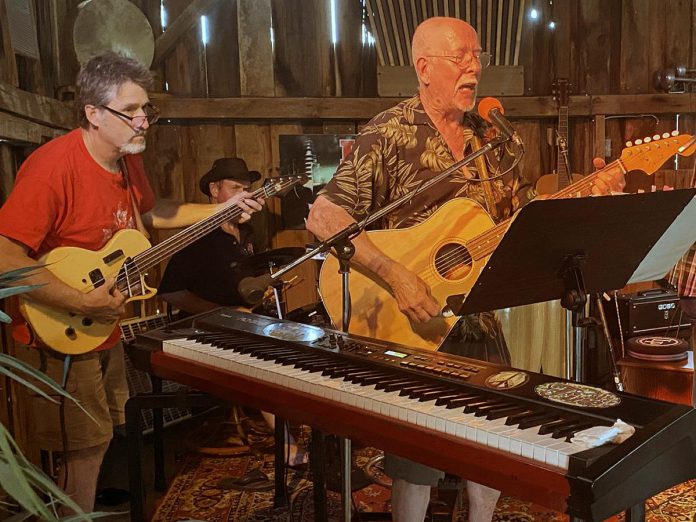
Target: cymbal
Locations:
point(258, 264)
point(112, 25)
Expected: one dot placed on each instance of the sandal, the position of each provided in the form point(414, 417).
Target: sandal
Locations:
point(255, 480)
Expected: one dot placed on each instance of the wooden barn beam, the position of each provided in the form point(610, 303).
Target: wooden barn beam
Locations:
point(13, 128)
point(258, 108)
point(166, 42)
point(37, 108)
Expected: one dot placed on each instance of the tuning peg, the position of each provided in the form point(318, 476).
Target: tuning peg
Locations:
point(638, 141)
point(665, 135)
point(675, 133)
point(629, 144)
point(647, 139)
point(656, 137)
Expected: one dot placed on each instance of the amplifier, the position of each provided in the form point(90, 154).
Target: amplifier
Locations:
point(653, 311)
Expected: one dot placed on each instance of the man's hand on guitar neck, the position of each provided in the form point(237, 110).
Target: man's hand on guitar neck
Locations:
point(608, 180)
point(410, 291)
point(104, 304)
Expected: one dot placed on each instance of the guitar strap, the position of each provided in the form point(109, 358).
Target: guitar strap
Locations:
point(136, 209)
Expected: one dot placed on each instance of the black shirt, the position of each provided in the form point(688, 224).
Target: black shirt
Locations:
point(206, 267)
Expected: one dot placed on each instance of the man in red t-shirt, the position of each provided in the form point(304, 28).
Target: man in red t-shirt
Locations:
point(73, 192)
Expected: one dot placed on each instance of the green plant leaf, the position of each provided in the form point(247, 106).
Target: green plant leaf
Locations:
point(18, 274)
point(14, 290)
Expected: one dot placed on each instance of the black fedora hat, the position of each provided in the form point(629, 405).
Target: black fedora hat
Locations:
point(227, 168)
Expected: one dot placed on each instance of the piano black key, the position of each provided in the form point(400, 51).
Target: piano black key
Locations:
point(462, 400)
point(472, 407)
point(418, 393)
point(503, 411)
point(393, 386)
point(408, 388)
point(530, 422)
point(482, 411)
point(428, 396)
point(367, 381)
point(391, 380)
point(567, 431)
point(548, 427)
point(517, 417)
point(442, 400)
point(362, 378)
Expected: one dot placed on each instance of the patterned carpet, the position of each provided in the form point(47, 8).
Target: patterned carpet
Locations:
point(198, 492)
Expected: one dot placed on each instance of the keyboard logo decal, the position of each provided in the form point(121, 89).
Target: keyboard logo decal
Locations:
point(507, 380)
point(579, 395)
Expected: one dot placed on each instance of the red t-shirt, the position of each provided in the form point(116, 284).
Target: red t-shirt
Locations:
point(63, 197)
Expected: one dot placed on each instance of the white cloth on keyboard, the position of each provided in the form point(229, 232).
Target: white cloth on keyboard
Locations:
point(600, 435)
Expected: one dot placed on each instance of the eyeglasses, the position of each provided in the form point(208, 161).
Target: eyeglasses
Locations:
point(465, 60)
point(151, 115)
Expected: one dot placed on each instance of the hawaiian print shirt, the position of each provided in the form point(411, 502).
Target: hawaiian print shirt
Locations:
point(399, 149)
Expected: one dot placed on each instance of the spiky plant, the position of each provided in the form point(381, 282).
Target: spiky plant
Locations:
point(25, 483)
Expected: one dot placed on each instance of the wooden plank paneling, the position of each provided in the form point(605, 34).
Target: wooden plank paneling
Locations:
point(365, 108)
point(185, 66)
point(184, 21)
point(36, 108)
point(222, 60)
point(8, 66)
point(302, 65)
point(18, 129)
point(349, 57)
point(255, 50)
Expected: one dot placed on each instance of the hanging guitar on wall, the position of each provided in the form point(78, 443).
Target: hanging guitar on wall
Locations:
point(561, 178)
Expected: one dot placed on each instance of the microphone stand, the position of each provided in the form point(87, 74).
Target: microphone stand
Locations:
point(342, 242)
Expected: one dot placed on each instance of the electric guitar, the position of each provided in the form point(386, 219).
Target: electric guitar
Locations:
point(127, 256)
point(552, 183)
point(448, 251)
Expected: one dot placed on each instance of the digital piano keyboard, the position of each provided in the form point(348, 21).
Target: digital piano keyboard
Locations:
point(505, 428)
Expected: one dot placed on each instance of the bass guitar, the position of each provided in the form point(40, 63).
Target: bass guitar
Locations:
point(448, 251)
point(127, 256)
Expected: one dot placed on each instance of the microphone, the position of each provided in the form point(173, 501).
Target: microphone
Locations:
point(252, 289)
point(491, 110)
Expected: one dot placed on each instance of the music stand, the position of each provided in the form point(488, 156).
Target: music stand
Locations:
point(568, 248)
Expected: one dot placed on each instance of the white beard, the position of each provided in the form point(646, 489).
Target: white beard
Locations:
point(133, 147)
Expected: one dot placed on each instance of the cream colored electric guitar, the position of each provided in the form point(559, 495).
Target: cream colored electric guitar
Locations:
point(127, 256)
point(448, 251)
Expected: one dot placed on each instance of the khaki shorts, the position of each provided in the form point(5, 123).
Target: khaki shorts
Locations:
point(97, 380)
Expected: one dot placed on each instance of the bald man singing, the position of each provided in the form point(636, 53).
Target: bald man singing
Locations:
point(409, 143)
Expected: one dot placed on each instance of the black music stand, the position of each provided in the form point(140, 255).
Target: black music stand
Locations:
point(567, 248)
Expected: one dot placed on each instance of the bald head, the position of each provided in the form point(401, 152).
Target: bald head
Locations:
point(441, 35)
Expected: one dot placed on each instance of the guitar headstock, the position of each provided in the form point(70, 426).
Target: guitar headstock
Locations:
point(282, 184)
point(561, 91)
point(650, 153)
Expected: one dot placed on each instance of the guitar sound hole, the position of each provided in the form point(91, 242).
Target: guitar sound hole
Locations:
point(453, 261)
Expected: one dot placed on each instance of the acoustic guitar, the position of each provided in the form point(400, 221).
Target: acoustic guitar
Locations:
point(448, 251)
point(127, 256)
point(561, 178)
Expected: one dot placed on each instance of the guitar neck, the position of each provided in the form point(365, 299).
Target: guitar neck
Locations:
point(562, 130)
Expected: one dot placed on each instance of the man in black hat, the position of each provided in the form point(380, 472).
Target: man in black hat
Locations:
point(202, 276)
